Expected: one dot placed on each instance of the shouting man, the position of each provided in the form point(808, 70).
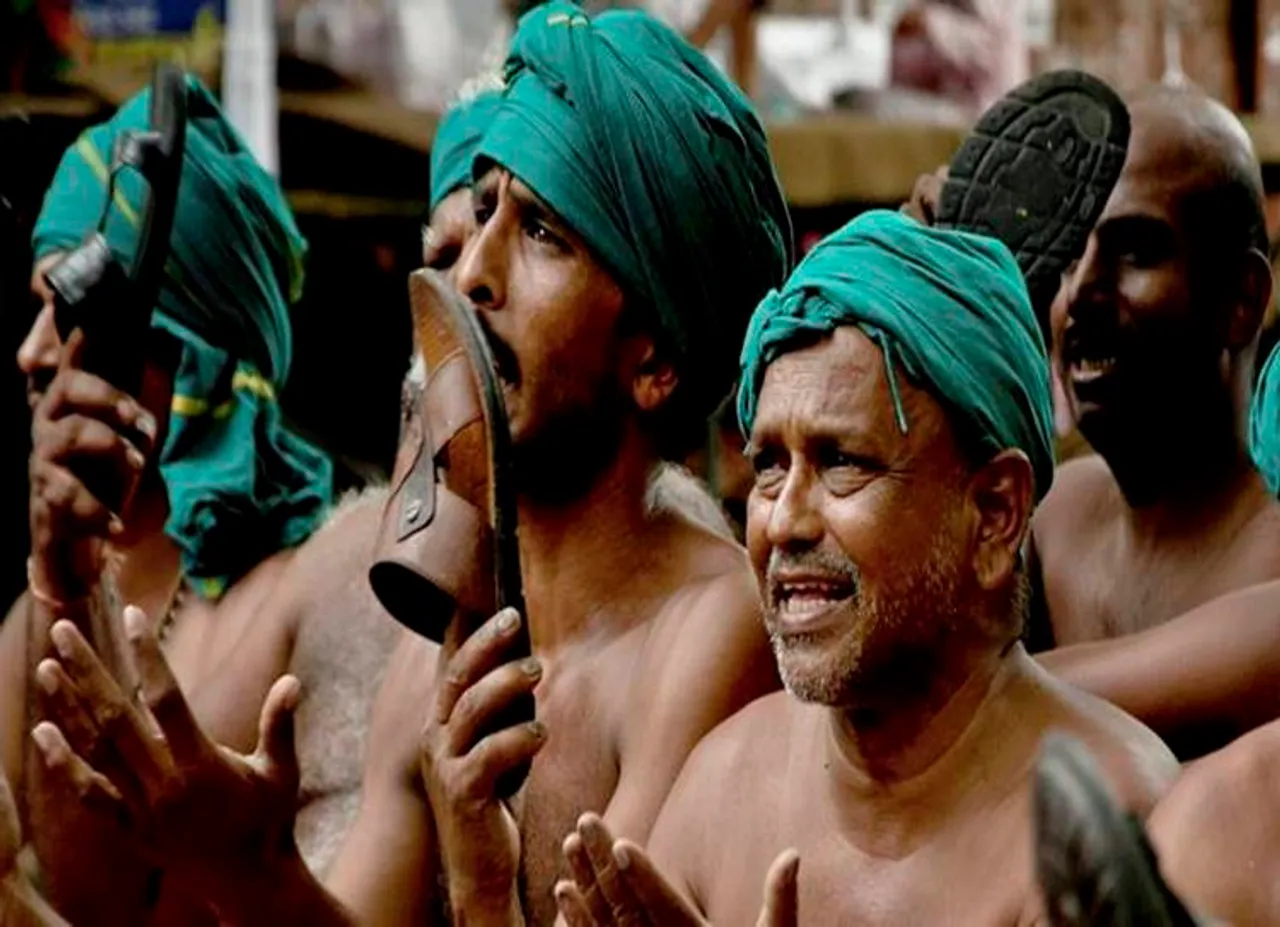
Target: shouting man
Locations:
point(896, 394)
point(628, 218)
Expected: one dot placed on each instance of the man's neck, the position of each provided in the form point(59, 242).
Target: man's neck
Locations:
point(1186, 486)
point(1186, 460)
point(898, 777)
point(576, 556)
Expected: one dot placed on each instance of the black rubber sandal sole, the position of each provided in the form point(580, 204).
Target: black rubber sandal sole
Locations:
point(1093, 861)
point(1036, 173)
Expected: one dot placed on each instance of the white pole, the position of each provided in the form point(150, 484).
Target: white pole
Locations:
point(249, 77)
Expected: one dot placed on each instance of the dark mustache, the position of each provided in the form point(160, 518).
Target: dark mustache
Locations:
point(508, 368)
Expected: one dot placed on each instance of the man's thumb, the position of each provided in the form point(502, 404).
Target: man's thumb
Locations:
point(781, 896)
point(275, 730)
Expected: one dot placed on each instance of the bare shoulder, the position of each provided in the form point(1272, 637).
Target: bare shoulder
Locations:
point(750, 746)
point(340, 620)
point(1083, 488)
point(733, 764)
point(1216, 831)
point(347, 533)
point(337, 554)
point(709, 630)
point(1259, 543)
point(1139, 764)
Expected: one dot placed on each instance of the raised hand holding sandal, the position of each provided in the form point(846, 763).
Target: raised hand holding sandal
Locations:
point(447, 550)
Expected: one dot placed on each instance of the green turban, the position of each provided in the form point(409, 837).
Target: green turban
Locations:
point(240, 485)
point(1264, 423)
point(457, 136)
point(659, 163)
point(948, 308)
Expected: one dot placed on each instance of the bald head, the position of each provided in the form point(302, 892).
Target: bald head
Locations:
point(1157, 325)
point(1207, 159)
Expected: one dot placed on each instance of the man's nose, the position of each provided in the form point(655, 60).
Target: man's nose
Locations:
point(40, 349)
point(795, 519)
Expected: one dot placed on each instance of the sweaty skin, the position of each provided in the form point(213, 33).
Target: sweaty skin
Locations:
point(1157, 328)
point(902, 772)
point(644, 624)
point(84, 869)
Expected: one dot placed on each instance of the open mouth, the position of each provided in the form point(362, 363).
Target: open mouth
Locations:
point(1089, 358)
point(504, 359)
point(802, 602)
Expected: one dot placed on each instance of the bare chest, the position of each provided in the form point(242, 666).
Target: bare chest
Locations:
point(340, 655)
point(978, 874)
point(577, 771)
point(1099, 587)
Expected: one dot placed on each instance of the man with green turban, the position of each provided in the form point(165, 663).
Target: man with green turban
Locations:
point(896, 395)
point(628, 219)
point(451, 215)
point(218, 490)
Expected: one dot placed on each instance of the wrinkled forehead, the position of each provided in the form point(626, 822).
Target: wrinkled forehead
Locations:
point(838, 388)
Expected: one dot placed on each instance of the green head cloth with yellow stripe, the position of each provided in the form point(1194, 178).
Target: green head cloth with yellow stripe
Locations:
point(240, 485)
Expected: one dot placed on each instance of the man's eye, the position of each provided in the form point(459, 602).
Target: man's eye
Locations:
point(543, 235)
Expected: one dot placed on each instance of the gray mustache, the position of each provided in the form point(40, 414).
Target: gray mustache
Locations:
point(819, 562)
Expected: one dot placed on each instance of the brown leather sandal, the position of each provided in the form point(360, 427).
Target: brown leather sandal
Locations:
point(447, 550)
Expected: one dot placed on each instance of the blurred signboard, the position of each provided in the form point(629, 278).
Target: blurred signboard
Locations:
point(128, 32)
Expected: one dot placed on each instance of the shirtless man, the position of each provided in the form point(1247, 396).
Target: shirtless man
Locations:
point(648, 620)
point(221, 495)
point(1157, 357)
point(323, 623)
point(895, 484)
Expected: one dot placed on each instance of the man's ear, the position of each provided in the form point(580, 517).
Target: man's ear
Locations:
point(1003, 495)
point(655, 377)
point(1256, 285)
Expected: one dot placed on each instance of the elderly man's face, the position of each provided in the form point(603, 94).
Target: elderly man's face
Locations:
point(862, 538)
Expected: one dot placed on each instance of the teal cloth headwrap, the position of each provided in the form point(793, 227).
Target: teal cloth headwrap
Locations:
point(950, 309)
point(1264, 422)
point(459, 132)
point(240, 485)
point(659, 163)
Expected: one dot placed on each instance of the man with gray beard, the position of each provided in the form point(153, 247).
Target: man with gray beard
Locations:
point(895, 481)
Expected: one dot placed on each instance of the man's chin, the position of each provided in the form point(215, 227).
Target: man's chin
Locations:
point(821, 678)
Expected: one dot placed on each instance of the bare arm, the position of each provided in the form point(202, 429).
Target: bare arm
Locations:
point(13, 688)
point(387, 873)
point(1200, 680)
point(710, 659)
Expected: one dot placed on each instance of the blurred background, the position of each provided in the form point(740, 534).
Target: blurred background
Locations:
point(340, 98)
